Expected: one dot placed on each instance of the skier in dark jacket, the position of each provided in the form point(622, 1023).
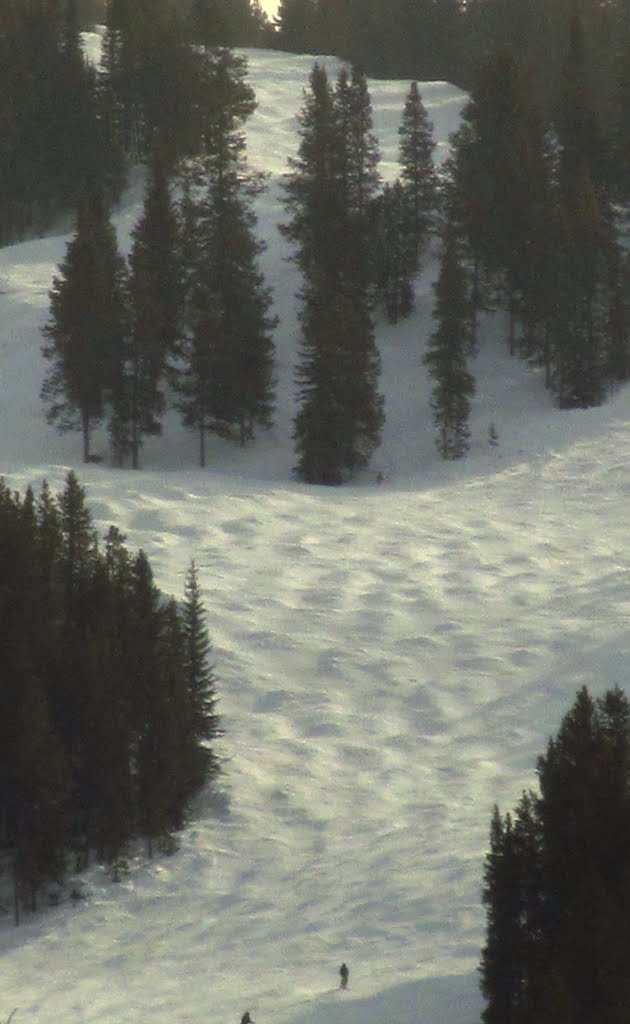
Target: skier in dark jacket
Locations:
point(246, 1018)
point(344, 974)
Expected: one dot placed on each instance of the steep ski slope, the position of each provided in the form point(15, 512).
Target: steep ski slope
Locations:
point(391, 660)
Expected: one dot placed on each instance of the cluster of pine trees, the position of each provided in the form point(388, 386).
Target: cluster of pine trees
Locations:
point(444, 40)
point(107, 695)
point(557, 886)
point(528, 210)
point(358, 249)
point(188, 315)
point(189, 312)
point(68, 128)
point(538, 214)
point(56, 140)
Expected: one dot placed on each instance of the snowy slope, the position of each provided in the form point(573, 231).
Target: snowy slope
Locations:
point(391, 660)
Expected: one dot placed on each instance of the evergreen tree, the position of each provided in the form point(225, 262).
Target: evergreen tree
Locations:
point(107, 708)
point(200, 680)
point(226, 23)
point(150, 706)
point(82, 148)
point(582, 148)
point(329, 195)
point(500, 956)
point(395, 252)
point(340, 418)
point(87, 329)
point(150, 76)
point(446, 356)
point(418, 174)
point(358, 181)
point(585, 295)
point(112, 818)
point(224, 378)
point(43, 791)
point(557, 880)
point(156, 291)
point(297, 21)
point(72, 689)
point(312, 193)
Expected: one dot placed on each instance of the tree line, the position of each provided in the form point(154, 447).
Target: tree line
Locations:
point(188, 317)
point(188, 313)
point(527, 212)
point(108, 705)
point(445, 40)
point(556, 881)
point(68, 127)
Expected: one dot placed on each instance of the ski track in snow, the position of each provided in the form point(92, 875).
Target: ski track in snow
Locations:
point(390, 660)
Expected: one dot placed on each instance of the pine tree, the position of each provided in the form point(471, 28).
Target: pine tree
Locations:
point(43, 792)
point(557, 879)
point(156, 292)
point(358, 181)
point(340, 418)
point(149, 706)
point(86, 332)
point(224, 378)
point(112, 818)
point(151, 77)
point(200, 681)
point(395, 252)
point(313, 197)
point(585, 293)
point(446, 356)
point(582, 148)
point(329, 196)
point(296, 21)
point(500, 171)
point(417, 171)
point(500, 981)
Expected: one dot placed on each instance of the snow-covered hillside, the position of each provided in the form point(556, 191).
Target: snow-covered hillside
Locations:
point(391, 659)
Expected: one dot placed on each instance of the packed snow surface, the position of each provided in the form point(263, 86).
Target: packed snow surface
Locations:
point(391, 659)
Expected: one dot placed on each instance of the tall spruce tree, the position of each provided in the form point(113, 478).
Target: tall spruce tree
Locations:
point(87, 329)
point(224, 377)
point(200, 681)
point(585, 296)
point(417, 171)
point(394, 252)
point(329, 195)
point(313, 198)
point(339, 422)
point(150, 706)
point(358, 180)
point(448, 351)
point(156, 293)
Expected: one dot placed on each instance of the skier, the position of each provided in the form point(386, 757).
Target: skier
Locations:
point(344, 974)
point(246, 1018)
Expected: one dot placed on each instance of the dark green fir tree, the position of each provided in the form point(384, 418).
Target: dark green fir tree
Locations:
point(156, 292)
point(417, 170)
point(329, 195)
point(448, 351)
point(87, 330)
point(224, 374)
